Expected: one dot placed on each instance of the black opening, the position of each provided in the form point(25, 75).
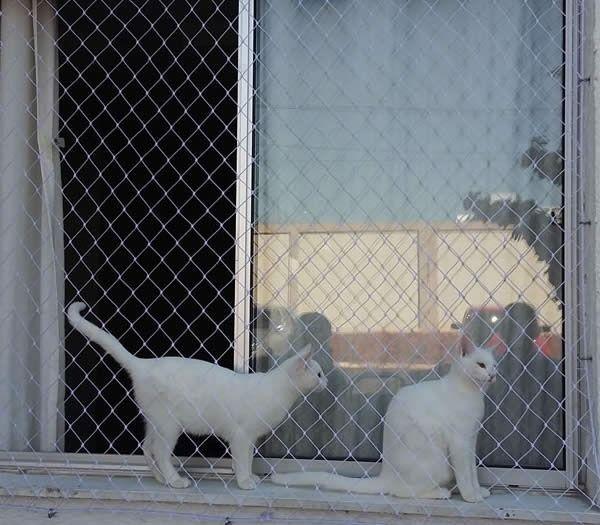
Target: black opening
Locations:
point(148, 114)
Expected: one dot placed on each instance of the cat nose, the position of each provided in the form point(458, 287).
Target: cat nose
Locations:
point(492, 378)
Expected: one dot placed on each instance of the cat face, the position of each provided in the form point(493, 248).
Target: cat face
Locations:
point(306, 373)
point(480, 366)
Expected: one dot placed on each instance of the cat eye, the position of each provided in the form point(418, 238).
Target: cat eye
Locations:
point(481, 365)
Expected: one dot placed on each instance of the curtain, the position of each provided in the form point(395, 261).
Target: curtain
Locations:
point(31, 245)
point(387, 115)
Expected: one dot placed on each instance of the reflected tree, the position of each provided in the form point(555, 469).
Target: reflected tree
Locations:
point(539, 227)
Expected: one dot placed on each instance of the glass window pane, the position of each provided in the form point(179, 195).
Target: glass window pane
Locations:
point(409, 199)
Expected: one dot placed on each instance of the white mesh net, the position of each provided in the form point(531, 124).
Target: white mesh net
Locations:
point(392, 183)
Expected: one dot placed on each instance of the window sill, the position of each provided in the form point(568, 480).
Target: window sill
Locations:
point(131, 491)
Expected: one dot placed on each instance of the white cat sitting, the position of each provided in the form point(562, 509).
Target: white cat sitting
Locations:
point(177, 394)
point(429, 438)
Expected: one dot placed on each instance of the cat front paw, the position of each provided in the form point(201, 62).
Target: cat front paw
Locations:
point(247, 483)
point(179, 483)
point(472, 497)
point(485, 493)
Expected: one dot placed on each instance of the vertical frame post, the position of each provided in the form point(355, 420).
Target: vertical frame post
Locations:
point(572, 269)
point(588, 279)
point(244, 165)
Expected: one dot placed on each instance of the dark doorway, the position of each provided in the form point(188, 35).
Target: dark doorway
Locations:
point(148, 115)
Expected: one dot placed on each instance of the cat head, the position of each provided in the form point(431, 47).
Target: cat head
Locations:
point(479, 365)
point(305, 373)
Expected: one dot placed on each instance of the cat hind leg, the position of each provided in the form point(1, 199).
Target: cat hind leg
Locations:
point(147, 449)
point(163, 445)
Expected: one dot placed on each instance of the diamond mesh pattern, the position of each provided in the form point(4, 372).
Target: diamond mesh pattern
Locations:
point(390, 182)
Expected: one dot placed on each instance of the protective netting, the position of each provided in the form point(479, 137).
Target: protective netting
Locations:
point(393, 183)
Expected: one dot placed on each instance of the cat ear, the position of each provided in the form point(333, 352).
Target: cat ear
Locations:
point(466, 348)
point(303, 356)
point(306, 352)
point(497, 348)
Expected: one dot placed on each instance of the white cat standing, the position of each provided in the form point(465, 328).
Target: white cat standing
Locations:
point(177, 394)
point(429, 438)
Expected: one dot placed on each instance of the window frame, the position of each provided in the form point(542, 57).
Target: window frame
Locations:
point(577, 173)
point(573, 292)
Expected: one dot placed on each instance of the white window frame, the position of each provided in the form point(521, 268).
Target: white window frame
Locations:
point(114, 464)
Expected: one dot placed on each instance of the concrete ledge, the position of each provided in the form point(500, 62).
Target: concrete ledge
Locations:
point(222, 498)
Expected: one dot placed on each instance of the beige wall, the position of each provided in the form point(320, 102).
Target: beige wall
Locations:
point(417, 278)
point(361, 281)
point(480, 267)
point(272, 269)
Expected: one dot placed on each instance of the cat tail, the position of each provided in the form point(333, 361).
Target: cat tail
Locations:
point(325, 480)
point(101, 337)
